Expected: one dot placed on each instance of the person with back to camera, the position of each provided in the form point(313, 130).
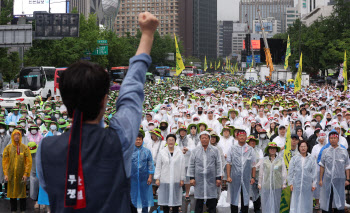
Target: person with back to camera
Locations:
point(87, 169)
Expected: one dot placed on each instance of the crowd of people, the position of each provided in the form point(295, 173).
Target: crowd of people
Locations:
point(212, 133)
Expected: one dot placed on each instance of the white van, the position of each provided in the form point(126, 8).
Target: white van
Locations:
point(251, 75)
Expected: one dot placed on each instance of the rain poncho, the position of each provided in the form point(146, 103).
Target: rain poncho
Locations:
point(34, 182)
point(155, 147)
point(170, 170)
point(315, 151)
point(335, 161)
point(302, 175)
point(35, 138)
point(205, 167)
point(242, 160)
point(254, 190)
point(16, 162)
point(141, 168)
point(4, 141)
point(272, 176)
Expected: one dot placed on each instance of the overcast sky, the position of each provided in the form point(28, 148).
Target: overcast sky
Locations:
point(228, 10)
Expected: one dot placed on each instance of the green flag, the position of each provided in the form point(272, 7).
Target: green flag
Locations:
point(287, 54)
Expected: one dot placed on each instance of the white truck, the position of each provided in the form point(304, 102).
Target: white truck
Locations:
point(251, 75)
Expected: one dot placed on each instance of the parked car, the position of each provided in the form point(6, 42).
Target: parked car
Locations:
point(9, 98)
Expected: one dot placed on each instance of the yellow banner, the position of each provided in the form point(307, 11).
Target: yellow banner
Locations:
point(297, 82)
point(179, 63)
point(205, 64)
point(287, 54)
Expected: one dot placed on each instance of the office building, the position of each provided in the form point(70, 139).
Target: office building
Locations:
point(291, 16)
point(224, 38)
point(317, 13)
point(105, 10)
point(248, 10)
point(166, 11)
point(238, 35)
point(307, 6)
point(198, 31)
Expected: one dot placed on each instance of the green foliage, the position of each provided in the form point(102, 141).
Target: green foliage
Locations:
point(6, 10)
point(62, 53)
point(323, 43)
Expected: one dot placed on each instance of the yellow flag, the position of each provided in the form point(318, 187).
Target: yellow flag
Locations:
point(297, 82)
point(179, 63)
point(215, 66)
point(345, 72)
point(286, 193)
point(218, 67)
point(205, 64)
point(287, 54)
point(211, 65)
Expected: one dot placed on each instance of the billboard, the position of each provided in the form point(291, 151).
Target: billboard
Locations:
point(27, 7)
point(255, 44)
point(268, 26)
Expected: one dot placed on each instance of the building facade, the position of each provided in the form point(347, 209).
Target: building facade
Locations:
point(166, 11)
point(105, 10)
point(224, 38)
point(186, 29)
point(291, 16)
point(205, 28)
point(248, 10)
point(238, 35)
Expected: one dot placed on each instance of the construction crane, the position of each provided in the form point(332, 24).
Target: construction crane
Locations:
point(251, 45)
point(266, 48)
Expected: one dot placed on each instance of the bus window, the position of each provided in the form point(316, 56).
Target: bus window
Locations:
point(30, 79)
point(50, 74)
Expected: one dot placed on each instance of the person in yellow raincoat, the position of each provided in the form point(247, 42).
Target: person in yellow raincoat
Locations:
point(16, 163)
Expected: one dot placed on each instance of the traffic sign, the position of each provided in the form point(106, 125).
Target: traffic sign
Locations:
point(297, 65)
point(101, 50)
point(102, 41)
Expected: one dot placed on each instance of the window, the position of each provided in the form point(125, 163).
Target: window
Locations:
point(11, 94)
point(29, 93)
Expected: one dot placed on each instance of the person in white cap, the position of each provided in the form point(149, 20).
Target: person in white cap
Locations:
point(280, 140)
point(205, 172)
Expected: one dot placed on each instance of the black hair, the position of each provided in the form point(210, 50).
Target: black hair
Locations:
point(302, 141)
point(171, 136)
point(83, 86)
point(140, 135)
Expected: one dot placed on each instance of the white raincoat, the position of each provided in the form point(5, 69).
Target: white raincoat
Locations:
point(335, 161)
point(272, 177)
point(242, 160)
point(302, 175)
point(170, 170)
point(205, 167)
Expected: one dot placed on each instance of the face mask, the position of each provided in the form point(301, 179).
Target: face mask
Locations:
point(23, 124)
point(2, 130)
point(53, 127)
point(11, 129)
point(262, 135)
point(329, 119)
point(57, 116)
point(162, 128)
point(176, 118)
point(150, 128)
point(34, 131)
point(163, 112)
point(200, 112)
point(313, 123)
point(65, 117)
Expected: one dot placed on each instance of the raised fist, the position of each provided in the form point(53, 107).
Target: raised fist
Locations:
point(148, 23)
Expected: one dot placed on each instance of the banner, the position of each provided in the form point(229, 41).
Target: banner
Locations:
point(286, 193)
point(297, 82)
point(287, 54)
point(345, 72)
point(179, 63)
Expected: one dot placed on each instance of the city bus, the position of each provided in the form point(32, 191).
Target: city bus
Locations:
point(40, 80)
point(118, 73)
point(190, 71)
point(58, 73)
